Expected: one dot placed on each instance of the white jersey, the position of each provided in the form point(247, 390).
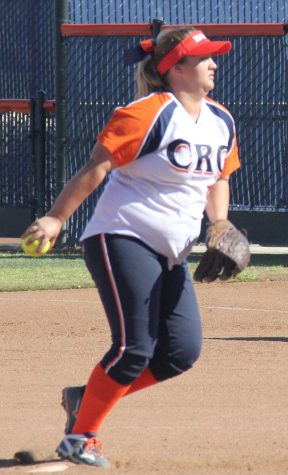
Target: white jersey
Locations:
point(167, 162)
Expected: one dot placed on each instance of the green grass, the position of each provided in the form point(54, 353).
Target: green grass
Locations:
point(68, 271)
point(262, 268)
point(19, 272)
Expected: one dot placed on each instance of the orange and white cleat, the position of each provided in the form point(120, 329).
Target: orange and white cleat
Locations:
point(83, 449)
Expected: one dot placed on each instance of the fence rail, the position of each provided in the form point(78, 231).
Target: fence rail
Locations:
point(137, 29)
point(23, 105)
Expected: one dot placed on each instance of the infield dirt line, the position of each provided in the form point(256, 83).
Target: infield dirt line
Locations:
point(98, 302)
point(245, 309)
point(8, 299)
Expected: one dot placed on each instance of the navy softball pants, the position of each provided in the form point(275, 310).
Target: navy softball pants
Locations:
point(152, 311)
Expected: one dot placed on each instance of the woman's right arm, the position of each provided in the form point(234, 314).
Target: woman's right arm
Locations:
point(73, 194)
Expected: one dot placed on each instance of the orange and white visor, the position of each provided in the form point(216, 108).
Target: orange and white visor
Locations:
point(197, 45)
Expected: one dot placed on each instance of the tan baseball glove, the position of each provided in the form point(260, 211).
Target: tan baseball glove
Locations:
point(227, 253)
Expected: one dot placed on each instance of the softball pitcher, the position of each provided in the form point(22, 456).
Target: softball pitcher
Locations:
point(170, 153)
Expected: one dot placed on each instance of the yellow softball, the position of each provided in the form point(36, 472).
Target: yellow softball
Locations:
point(30, 249)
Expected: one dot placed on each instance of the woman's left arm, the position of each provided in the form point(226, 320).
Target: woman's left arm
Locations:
point(218, 200)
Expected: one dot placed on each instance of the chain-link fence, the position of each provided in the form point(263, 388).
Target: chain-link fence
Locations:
point(27, 48)
point(27, 151)
point(15, 173)
point(178, 11)
point(250, 82)
point(27, 65)
point(247, 83)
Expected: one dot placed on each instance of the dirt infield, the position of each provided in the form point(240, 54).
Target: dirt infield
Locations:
point(228, 415)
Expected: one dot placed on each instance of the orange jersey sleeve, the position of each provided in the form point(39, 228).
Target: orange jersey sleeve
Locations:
point(232, 161)
point(128, 127)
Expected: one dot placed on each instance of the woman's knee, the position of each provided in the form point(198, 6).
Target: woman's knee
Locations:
point(187, 356)
point(128, 368)
point(167, 365)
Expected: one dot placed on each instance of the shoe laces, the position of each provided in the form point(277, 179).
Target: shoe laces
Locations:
point(93, 446)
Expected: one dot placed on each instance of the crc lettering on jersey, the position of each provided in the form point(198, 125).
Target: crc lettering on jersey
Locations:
point(183, 160)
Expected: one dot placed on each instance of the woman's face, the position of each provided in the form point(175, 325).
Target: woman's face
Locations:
point(195, 75)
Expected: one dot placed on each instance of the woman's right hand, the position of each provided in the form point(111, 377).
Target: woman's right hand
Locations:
point(73, 194)
point(45, 229)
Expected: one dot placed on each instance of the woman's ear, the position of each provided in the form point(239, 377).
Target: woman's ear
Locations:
point(178, 67)
point(176, 71)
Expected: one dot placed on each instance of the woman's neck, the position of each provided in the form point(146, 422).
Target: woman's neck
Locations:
point(191, 103)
